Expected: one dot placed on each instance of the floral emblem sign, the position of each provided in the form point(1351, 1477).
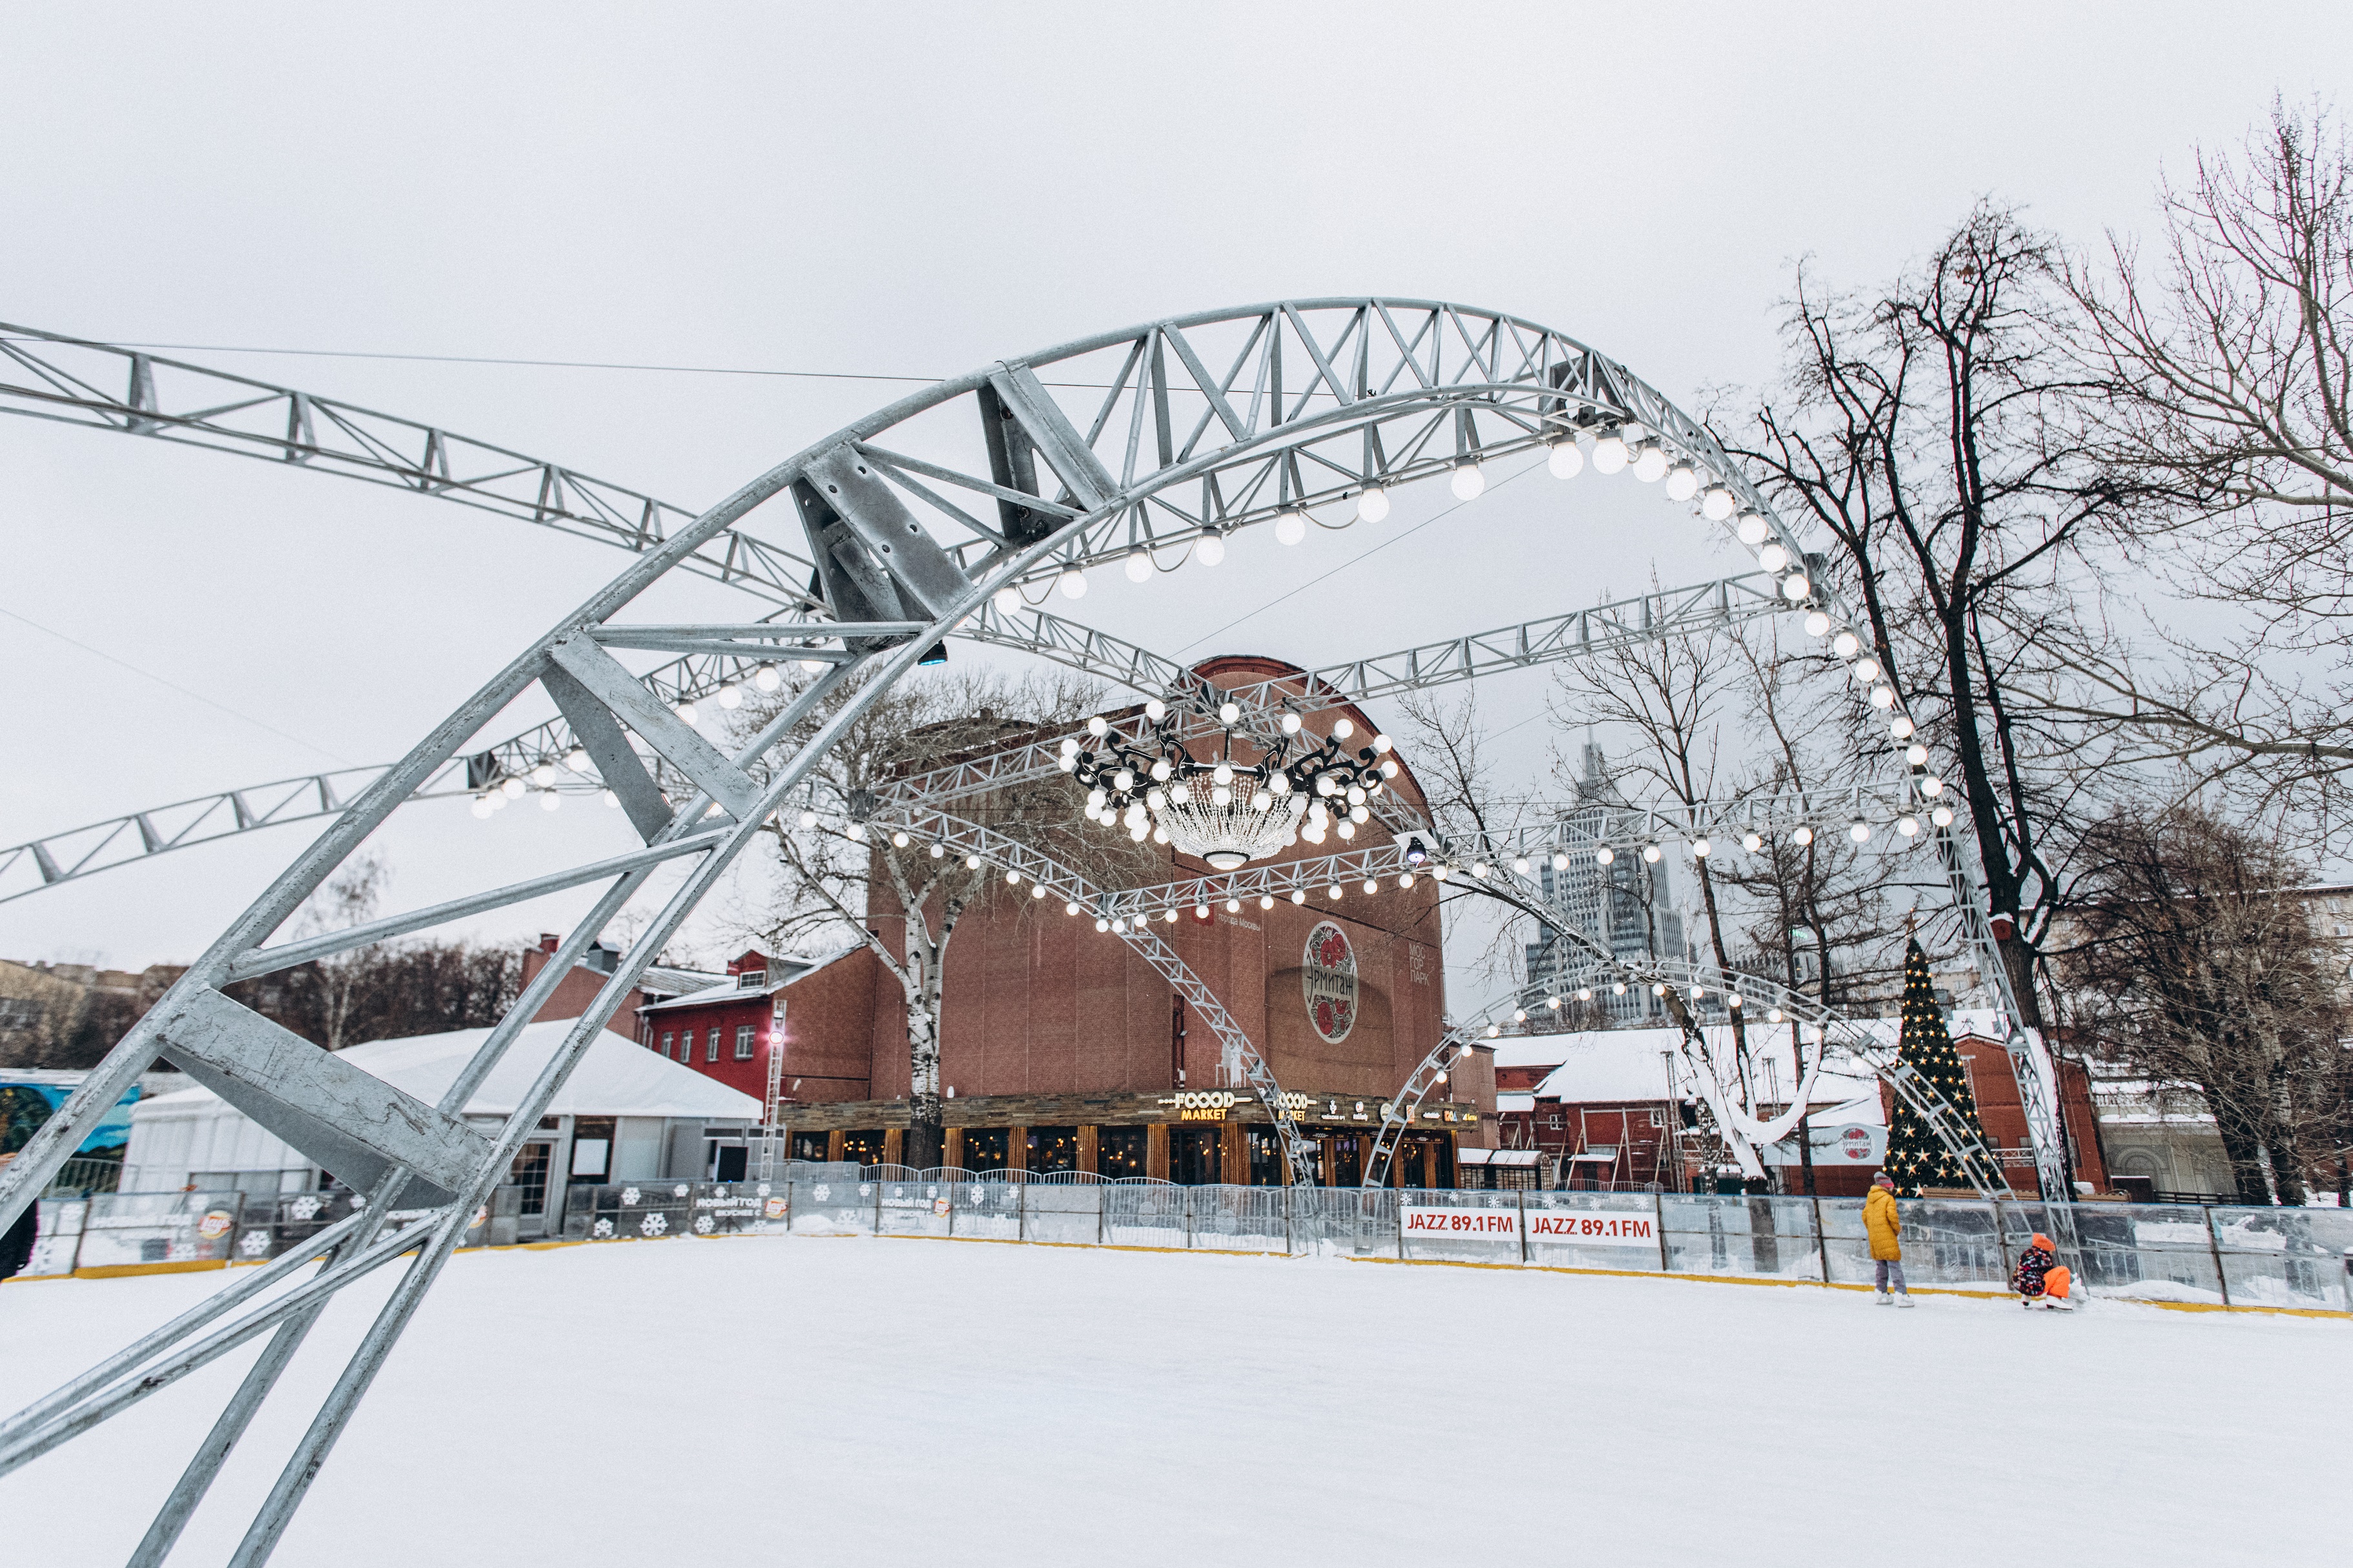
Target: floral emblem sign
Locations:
point(1328, 979)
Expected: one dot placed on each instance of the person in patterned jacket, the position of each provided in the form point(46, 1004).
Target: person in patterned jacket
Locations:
point(2037, 1279)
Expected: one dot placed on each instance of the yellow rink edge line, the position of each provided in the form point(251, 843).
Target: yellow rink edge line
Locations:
point(126, 1270)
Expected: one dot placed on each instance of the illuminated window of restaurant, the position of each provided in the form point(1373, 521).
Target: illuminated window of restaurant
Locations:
point(1119, 1151)
point(1053, 1149)
point(984, 1148)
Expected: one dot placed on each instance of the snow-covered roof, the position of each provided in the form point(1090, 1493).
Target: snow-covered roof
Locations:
point(1616, 1065)
point(783, 971)
point(1504, 1103)
point(1495, 1156)
point(617, 1077)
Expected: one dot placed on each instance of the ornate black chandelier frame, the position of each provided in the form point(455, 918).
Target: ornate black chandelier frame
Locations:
point(1227, 811)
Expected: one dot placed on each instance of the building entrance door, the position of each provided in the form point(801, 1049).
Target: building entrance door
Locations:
point(1196, 1155)
point(528, 1172)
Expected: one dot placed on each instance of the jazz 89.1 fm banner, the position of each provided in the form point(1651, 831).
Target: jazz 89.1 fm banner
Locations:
point(1562, 1227)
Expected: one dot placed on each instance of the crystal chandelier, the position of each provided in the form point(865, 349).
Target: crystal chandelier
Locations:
point(1221, 810)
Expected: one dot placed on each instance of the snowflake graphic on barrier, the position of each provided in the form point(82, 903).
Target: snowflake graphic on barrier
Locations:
point(254, 1243)
point(652, 1224)
point(821, 1193)
point(703, 1224)
point(762, 1189)
point(602, 1230)
point(630, 1196)
point(303, 1207)
point(679, 1191)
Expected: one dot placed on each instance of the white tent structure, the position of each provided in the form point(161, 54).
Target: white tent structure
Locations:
point(625, 1114)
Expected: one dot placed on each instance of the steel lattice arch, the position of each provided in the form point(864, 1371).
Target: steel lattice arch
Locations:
point(950, 512)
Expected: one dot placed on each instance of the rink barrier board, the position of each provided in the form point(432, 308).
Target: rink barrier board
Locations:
point(2178, 1253)
point(122, 1271)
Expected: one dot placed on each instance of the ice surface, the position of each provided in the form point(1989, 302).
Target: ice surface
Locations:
point(928, 1401)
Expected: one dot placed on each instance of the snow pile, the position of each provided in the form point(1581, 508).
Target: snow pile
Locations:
point(984, 1404)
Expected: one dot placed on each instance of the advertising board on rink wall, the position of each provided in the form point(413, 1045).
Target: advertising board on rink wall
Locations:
point(1416, 1221)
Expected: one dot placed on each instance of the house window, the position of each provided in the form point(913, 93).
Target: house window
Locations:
point(670, 1043)
point(751, 980)
point(744, 1033)
point(711, 1051)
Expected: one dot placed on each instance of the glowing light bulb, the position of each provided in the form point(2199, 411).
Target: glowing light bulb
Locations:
point(1469, 481)
point(1651, 853)
point(1072, 583)
point(1102, 925)
point(1804, 835)
point(1291, 723)
point(972, 862)
point(1520, 866)
point(1907, 826)
point(1753, 528)
point(1139, 565)
point(1609, 453)
point(1844, 645)
point(897, 841)
point(685, 710)
point(1817, 623)
point(1097, 726)
point(1211, 549)
point(1773, 557)
point(1559, 860)
point(1860, 831)
point(1702, 848)
point(1900, 726)
point(1007, 599)
point(1565, 462)
point(481, 808)
point(1290, 526)
point(1883, 696)
point(1682, 482)
point(1605, 855)
point(1266, 900)
point(612, 799)
point(1298, 895)
point(1916, 755)
point(576, 759)
point(1233, 906)
point(808, 819)
point(1752, 842)
point(1942, 816)
point(513, 787)
point(1371, 887)
point(1716, 504)
point(1070, 907)
point(1372, 503)
point(1343, 729)
point(549, 800)
point(1651, 465)
point(766, 678)
point(543, 775)
point(1795, 588)
point(1866, 670)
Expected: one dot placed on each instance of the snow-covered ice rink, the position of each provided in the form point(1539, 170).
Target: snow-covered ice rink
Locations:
point(821, 1401)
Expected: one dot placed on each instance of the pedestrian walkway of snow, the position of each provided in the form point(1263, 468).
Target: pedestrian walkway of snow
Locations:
point(827, 1400)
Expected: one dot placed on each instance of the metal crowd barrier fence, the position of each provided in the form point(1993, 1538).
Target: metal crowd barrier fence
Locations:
point(116, 1230)
point(2222, 1257)
point(2208, 1254)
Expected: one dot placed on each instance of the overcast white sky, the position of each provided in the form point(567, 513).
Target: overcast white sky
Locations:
point(908, 190)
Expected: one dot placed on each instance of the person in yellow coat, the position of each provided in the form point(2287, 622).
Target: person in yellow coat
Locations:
point(1885, 1226)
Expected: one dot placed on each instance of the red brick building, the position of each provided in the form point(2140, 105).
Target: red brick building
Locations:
point(1599, 1107)
point(1064, 1048)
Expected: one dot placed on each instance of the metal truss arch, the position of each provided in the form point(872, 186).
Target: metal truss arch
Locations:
point(1212, 422)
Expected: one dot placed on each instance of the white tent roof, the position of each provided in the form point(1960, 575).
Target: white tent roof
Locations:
point(617, 1077)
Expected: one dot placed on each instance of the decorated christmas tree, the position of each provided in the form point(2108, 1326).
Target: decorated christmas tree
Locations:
point(1916, 1157)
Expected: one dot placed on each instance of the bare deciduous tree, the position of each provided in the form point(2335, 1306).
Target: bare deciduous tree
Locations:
point(1929, 427)
point(2224, 377)
point(2190, 960)
point(842, 882)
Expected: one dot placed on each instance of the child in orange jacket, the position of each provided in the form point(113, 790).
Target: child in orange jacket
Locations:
point(2039, 1279)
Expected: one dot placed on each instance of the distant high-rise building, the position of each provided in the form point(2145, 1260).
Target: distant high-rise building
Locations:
point(1626, 907)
